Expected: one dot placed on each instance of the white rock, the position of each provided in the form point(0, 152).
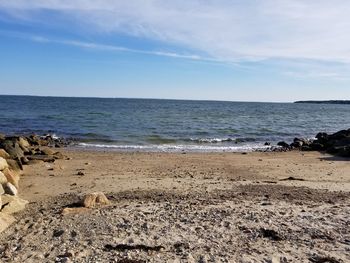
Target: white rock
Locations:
point(2, 191)
point(3, 164)
point(3, 179)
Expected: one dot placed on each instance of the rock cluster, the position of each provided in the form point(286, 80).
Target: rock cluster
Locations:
point(26, 150)
point(337, 143)
point(16, 151)
point(9, 201)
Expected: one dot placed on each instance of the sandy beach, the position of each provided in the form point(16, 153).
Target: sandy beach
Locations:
point(184, 207)
point(174, 131)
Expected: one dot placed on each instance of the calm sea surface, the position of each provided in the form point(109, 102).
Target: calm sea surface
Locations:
point(168, 125)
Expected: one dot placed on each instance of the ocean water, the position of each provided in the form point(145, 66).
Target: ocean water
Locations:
point(168, 125)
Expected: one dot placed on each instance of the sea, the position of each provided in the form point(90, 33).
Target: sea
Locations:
point(159, 125)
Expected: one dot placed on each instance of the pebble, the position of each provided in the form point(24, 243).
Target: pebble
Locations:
point(58, 233)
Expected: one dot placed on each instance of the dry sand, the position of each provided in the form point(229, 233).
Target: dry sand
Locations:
point(194, 207)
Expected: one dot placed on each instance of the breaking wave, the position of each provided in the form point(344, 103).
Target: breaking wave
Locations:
point(175, 148)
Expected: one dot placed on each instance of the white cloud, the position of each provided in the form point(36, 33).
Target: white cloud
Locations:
point(224, 29)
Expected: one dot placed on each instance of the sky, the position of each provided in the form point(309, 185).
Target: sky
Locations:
point(239, 50)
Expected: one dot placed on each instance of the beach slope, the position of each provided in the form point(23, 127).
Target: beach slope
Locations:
point(194, 207)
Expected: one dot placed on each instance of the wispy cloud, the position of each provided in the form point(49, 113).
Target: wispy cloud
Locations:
point(104, 47)
point(224, 29)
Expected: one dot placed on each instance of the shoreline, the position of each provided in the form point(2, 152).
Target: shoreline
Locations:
point(172, 148)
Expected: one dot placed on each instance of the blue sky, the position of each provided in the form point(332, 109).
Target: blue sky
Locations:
point(221, 50)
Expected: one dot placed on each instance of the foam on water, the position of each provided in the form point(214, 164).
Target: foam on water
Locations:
point(220, 140)
point(175, 148)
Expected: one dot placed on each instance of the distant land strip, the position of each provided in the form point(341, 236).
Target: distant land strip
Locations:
point(324, 101)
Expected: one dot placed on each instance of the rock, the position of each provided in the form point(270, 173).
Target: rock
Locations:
point(24, 160)
point(324, 259)
point(5, 221)
point(15, 165)
point(6, 143)
point(322, 137)
point(58, 155)
point(24, 144)
point(13, 204)
point(299, 142)
point(202, 259)
point(12, 148)
point(339, 146)
point(63, 260)
point(267, 144)
point(43, 142)
point(283, 144)
point(10, 189)
point(3, 179)
point(336, 143)
point(343, 151)
point(306, 148)
point(270, 234)
point(44, 158)
point(33, 151)
point(95, 199)
point(4, 154)
point(296, 144)
point(340, 135)
point(32, 162)
point(58, 232)
point(2, 191)
point(315, 146)
point(3, 164)
point(33, 139)
point(12, 177)
point(47, 151)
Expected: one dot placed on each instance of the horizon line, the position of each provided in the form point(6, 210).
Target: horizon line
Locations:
point(143, 98)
